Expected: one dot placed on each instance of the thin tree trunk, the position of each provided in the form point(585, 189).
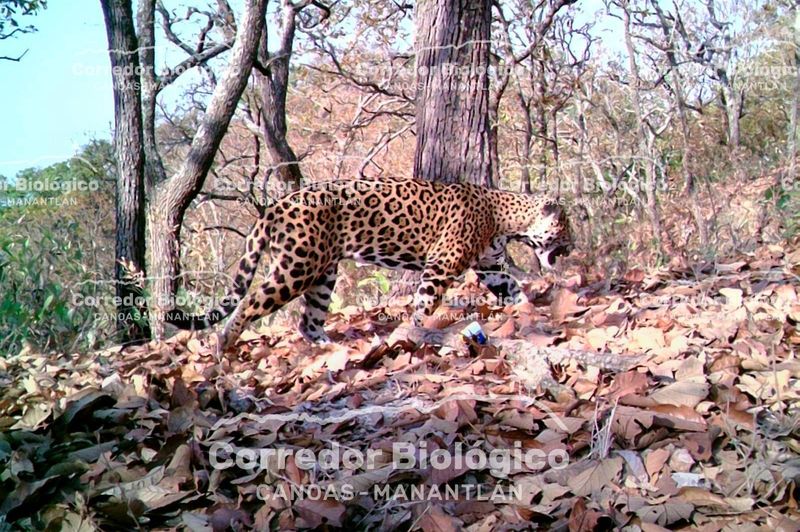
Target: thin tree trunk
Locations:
point(553, 138)
point(686, 144)
point(651, 203)
point(732, 105)
point(585, 215)
point(793, 113)
point(453, 91)
point(544, 20)
point(527, 138)
point(154, 168)
point(271, 84)
point(129, 199)
point(689, 181)
point(541, 120)
point(173, 196)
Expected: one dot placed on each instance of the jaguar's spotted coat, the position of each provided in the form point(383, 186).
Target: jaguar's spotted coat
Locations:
point(438, 229)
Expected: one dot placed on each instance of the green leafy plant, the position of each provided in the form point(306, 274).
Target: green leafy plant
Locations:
point(38, 292)
point(786, 201)
point(379, 280)
point(54, 255)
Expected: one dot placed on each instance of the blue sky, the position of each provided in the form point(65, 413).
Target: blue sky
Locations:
point(59, 96)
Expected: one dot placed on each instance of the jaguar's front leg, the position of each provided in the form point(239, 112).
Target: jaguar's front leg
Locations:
point(434, 283)
point(491, 272)
point(504, 286)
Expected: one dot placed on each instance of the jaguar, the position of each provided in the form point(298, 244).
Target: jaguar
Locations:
point(438, 229)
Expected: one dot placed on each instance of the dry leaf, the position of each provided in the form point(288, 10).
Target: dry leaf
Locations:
point(317, 512)
point(681, 393)
point(434, 519)
point(594, 477)
point(565, 304)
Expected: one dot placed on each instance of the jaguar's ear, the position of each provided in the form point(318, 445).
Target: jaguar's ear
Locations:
point(551, 207)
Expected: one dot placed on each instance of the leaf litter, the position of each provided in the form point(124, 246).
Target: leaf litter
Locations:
point(670, 397)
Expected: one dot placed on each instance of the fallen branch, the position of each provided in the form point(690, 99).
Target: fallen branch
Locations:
point(519, 349)
point(531, 364)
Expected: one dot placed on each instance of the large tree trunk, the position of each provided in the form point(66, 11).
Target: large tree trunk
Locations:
point(130, 200)
point(453, 128)
point(173, 196)
point(452, 49)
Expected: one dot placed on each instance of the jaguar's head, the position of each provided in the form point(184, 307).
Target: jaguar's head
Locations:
point(549, 233)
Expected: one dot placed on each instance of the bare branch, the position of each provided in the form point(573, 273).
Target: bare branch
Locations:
point(16, 59)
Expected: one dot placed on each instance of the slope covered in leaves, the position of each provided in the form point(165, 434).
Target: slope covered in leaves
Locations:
point(669, 398)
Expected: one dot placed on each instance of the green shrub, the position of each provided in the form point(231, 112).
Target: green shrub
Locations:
point(38, 283)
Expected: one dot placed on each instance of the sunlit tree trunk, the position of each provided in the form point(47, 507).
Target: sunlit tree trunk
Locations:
point(172, 197)
point(453, 91)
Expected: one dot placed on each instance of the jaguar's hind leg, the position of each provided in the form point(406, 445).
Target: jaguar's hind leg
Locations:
point(317, 300)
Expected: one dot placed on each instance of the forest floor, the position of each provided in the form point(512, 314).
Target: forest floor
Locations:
point(663, 399)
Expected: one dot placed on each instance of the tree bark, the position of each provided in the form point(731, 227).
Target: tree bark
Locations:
point(173, 196)
point(129, 199)
point(732, 102)
point(154, 172)
point(453, 126)
point(452, 101)
point(271, 83)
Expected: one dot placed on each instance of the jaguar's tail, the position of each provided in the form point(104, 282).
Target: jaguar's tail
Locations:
point(255, 244)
